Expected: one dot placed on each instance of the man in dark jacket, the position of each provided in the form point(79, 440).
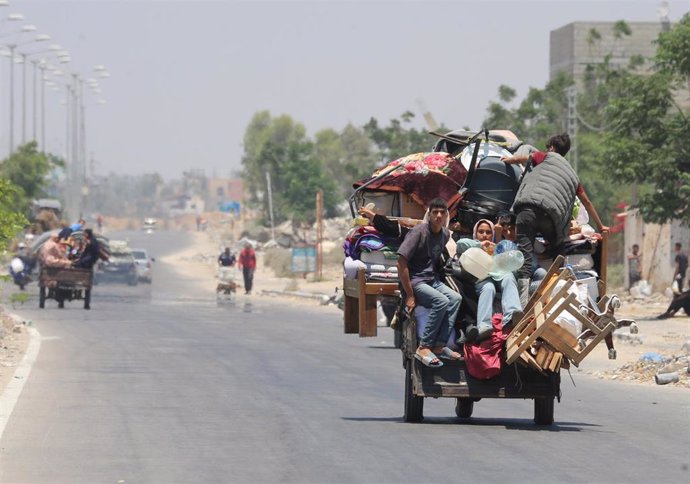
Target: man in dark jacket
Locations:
point(544, 202)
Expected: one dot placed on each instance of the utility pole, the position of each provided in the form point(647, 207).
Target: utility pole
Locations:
point(571, 95)
point(270, 205)
point(319, 234)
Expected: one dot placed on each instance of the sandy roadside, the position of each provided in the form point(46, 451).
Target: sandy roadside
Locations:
point(14, 339)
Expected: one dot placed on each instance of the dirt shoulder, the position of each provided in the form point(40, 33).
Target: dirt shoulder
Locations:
point(665, 339)
point(14, 339)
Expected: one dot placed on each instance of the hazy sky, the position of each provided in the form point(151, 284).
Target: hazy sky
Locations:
point(187, 76)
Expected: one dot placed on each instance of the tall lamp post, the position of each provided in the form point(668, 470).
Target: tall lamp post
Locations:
point(24, 56)
point(14, 17)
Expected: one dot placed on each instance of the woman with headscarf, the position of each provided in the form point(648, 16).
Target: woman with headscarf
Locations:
point(483, 237)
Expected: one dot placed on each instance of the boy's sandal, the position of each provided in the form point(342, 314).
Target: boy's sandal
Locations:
point(430, 360)
point(448, 354)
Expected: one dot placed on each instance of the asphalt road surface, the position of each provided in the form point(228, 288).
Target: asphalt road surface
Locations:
point(161, 384)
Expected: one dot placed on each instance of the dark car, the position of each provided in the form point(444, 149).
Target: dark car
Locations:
point(120, 267)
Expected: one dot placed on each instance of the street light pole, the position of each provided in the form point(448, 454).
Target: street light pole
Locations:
point(43, 107)
point(11, 47)
point(270, 204)
point(23, 98)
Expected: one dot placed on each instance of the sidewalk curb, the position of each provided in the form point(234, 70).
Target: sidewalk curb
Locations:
point(323, 298)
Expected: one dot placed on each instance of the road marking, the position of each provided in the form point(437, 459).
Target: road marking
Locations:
point(9, 397)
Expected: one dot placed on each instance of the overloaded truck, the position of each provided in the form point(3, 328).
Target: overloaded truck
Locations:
point(568, 312)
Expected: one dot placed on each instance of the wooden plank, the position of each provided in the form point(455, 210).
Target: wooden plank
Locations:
point(539, 323)
point(367, 308)
point(350, 317)
point(351, 287)
point(545, 283)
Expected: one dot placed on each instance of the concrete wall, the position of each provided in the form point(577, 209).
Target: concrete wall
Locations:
point(656, 243)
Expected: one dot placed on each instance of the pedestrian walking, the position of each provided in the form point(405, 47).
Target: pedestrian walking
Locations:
point(247, 262)
point(634, 265)
point(681, 269)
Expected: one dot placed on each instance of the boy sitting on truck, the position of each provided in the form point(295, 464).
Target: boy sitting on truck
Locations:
point(420, 275)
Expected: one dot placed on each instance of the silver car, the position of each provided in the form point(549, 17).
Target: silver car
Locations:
point(143, 262)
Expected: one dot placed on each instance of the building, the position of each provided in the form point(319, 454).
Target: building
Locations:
point(225, 194)
point(571, 51)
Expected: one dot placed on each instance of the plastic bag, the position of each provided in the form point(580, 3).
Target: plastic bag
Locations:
point(566, 320)
point(506, 263)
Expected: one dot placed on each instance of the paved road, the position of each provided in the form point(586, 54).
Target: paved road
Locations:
point(160, 384)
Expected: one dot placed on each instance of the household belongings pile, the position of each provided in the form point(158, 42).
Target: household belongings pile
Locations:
point(402, 193)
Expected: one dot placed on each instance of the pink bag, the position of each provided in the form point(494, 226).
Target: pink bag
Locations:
point(483, 360)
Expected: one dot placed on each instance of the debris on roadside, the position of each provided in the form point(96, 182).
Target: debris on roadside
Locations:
point(652, 366)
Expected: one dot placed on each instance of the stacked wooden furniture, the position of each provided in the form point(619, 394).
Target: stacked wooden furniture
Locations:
point(360, 303)
point(537, 340)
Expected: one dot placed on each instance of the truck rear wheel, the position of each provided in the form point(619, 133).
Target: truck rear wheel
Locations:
point(414, 405)
point(464, 407)
point(543, 410)
point(42, 297)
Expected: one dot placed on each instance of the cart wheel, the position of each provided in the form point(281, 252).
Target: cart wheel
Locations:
point(543, 411)
point(42, 297)
point(414, 405)
point(87, 298)
point(464, 407)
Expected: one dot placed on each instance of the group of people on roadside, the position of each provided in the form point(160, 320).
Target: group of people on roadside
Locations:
point(543, 205)
point(246, 262)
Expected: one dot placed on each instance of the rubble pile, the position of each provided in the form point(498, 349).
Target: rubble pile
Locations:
point(652, 367)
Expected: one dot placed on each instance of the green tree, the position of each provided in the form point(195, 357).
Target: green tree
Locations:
point(11, 220)
point(27, 168)
point(399, 138)
point(280, 146)
point(646, 141)
point(347, 156)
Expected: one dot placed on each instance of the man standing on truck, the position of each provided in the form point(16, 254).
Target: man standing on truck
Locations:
point(419, 270)
point(544, 202)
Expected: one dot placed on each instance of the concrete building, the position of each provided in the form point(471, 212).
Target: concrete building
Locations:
point(571, 51)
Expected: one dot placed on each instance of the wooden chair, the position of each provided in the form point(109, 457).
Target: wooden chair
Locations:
point(542, 310)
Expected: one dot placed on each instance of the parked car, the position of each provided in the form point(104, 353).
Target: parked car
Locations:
point(121, 266)
point(143, 261)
